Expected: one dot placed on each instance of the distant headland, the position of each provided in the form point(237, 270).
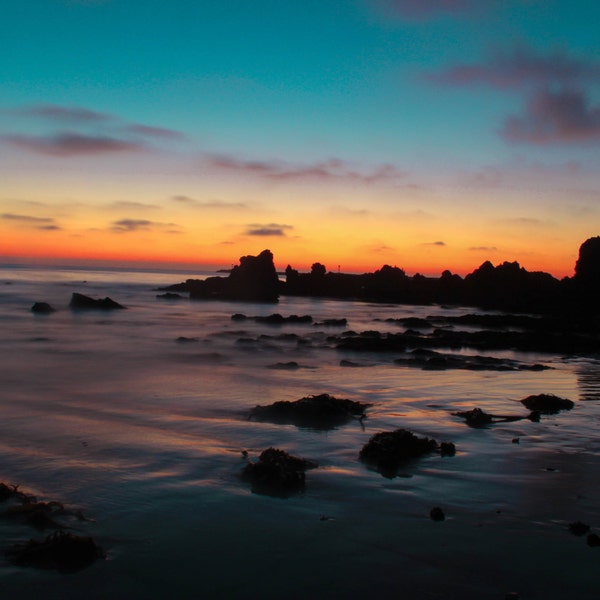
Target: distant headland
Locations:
point(507, 286)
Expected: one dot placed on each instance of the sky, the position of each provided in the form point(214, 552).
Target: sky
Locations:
point(423, 134)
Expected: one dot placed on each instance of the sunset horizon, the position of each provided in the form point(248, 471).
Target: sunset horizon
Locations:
point(429, 136)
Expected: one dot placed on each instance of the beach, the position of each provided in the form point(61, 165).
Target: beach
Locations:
point(140, 417)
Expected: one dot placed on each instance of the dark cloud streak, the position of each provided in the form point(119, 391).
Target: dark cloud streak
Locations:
point(72, 144)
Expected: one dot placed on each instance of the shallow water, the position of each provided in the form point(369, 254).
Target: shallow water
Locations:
point(112, 413)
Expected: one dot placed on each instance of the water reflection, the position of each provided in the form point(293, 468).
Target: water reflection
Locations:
point(588, 379)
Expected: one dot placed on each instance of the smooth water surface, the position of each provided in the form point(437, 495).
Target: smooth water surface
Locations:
point(139, 418)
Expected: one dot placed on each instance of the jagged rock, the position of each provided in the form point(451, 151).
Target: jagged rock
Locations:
point(42, 308)
point(547, 403)
point(320, 412)
point(82, 302)
point(253, 280)
point(388, 450)
point(277, 473)
point(63, 551)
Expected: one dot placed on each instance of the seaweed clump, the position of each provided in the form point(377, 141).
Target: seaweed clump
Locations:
point(388, 450)
point(319, 412)
point(277, 473)
point(63, 551)
point(547, 403)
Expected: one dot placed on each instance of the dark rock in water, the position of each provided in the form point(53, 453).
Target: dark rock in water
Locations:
point(593, 540)
point(277, 473)
point(351, 363)
point(9, 492)
point(63, 551)
point(80, 301)
point(478, 418)
point(430, 360)
point(578, 528)
point(255, 279)
point(447, 449)
point(547, 403)
point(42, 308)
point(475, 417)
point(186, 340)
point(437, 514)
point(319, 412)
point(41, 515)
point(170, 296)
point(274, 319)
point(285, 366)
point(333, 323)
point(388, 450)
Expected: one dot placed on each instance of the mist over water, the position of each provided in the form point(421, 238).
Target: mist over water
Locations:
point(139, 417)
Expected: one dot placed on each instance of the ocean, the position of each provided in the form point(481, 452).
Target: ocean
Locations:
point(139, 418)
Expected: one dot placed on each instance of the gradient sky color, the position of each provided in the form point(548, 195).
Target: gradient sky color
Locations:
point(426, 134)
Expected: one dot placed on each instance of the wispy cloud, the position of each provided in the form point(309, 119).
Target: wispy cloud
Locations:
point(272, 229)
point(438, 243)
point(128, 205)
point(483, 249)
point(42, 223)
point(72, 144)
point(132, 225)
point(328, 170)
point(554, 117)
point(61, 113)
point(207, 203)
point(557, 108)
point(83, 131)
point(157, 132)
point(521, 67)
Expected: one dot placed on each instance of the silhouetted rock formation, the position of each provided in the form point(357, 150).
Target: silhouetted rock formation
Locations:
point(42, 308)
point(253, 280)
point(63, 551)
point(547, 403)
point(277, 473)
point(507, 287)
point(389, 450)
point(82, 302)
point(319, 412)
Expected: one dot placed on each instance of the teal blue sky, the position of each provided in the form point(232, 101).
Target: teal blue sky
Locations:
point(481, 95)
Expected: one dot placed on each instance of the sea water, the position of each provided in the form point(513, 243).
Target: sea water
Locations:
point(139, 417)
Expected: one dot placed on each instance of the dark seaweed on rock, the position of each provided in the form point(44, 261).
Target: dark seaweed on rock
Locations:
point(547, 403)
point(389, 450)
point(12, 492)
point(63, 551)
point(320, 412)
point(277, 473)
point(476, 417)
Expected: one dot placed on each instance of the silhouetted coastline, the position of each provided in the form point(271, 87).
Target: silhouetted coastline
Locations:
point(507, 287)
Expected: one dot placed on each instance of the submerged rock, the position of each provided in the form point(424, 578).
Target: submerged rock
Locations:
point(437, 514)
point(277, 473)
point(42, 308)
point(430, 360)
point(478, 418)
point(547, 403)
point(320, 412)
point(80, 301)
point(578, 528)
point(388, 450)
point(63, 551)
